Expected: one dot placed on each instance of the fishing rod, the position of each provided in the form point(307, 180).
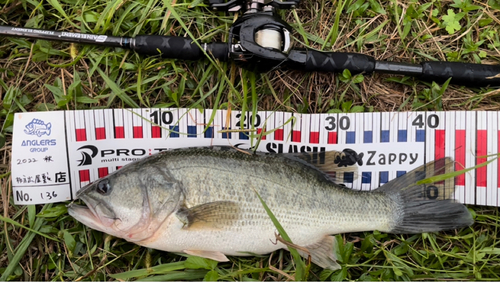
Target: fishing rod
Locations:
point(260, 41)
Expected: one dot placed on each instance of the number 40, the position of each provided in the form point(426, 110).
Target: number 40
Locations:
point(432, 121)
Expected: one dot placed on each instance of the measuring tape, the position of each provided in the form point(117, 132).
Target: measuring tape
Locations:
point(57, 153)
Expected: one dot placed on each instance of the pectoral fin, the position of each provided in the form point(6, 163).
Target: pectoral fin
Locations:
point(214, 215)
point(322, 253)
point(217, 256)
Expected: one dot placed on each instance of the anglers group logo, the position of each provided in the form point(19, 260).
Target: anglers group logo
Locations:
point(88, 152)
point(38, 128)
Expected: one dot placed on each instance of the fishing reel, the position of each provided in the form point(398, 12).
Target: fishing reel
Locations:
point(251, 6)
point(259, 40)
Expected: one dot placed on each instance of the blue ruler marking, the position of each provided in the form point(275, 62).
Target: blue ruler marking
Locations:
point(402, 135)
point(368, 137)
point(175, 131)
point(420, 136)
point(366, 177)
point(191, 131)
point(384, 177)
point(209, 132)
point(226, 135)
point(348, 177)
point(384, 136)
point(350, 137)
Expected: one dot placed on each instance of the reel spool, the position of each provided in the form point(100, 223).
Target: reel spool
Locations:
point(251, 5)
point(269, 38)
point(259, 41)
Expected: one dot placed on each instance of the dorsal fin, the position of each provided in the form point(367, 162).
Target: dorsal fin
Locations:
point(333, 163)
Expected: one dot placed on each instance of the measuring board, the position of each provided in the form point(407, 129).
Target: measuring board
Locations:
point(57, 153)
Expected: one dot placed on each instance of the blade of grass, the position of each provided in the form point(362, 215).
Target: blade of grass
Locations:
point(60, 9)
point(24, 245)
point(301, 268)
point(117, 90)
point(15, 223)
point(106, 15)
point(178, 276)
point(300, 27)
point(334, 31)
point(146, 12)
point(159, 269)
point(212, 61)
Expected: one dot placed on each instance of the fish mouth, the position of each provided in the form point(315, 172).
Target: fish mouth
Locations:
point(87, 215)
point(84, 215)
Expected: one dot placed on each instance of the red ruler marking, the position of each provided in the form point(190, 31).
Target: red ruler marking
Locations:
point(296, 137)
point(84, 175)
point(439, 154)
point(332, 138)
point(81, 135)
point(460, 155)
point(278, 135)
point(156, 132)
point(440, 144)
point(137, 132)
point(498, 167)
point(314, 138)
point(100, 133)
point(481, 150)
point(259, 130)
point(119, 132)
point(103, 172)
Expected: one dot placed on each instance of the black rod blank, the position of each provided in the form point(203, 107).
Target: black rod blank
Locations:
point(104, 40)
point(175, 47)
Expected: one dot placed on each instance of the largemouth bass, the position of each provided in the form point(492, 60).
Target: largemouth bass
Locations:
point(203, 201)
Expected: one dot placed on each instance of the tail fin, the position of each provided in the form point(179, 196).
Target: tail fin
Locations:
point(427, 207)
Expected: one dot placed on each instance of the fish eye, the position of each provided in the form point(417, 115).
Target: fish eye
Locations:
point(103, 187)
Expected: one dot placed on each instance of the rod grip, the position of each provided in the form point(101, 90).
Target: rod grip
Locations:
point(339, 61)
point(467, 74)
point(176, 47)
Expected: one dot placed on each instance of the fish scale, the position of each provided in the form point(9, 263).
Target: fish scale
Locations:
point(315, 195)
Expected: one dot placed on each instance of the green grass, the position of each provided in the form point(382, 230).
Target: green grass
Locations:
point(44, 243)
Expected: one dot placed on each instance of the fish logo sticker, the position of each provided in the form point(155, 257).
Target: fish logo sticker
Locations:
point(349, 158)
point(38, 128)
point(86, 155)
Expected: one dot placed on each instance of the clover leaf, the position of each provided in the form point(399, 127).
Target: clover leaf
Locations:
point(451, 21)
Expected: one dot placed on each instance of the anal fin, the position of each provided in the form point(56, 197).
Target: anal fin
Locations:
point(217, 256)
point(322, 253)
